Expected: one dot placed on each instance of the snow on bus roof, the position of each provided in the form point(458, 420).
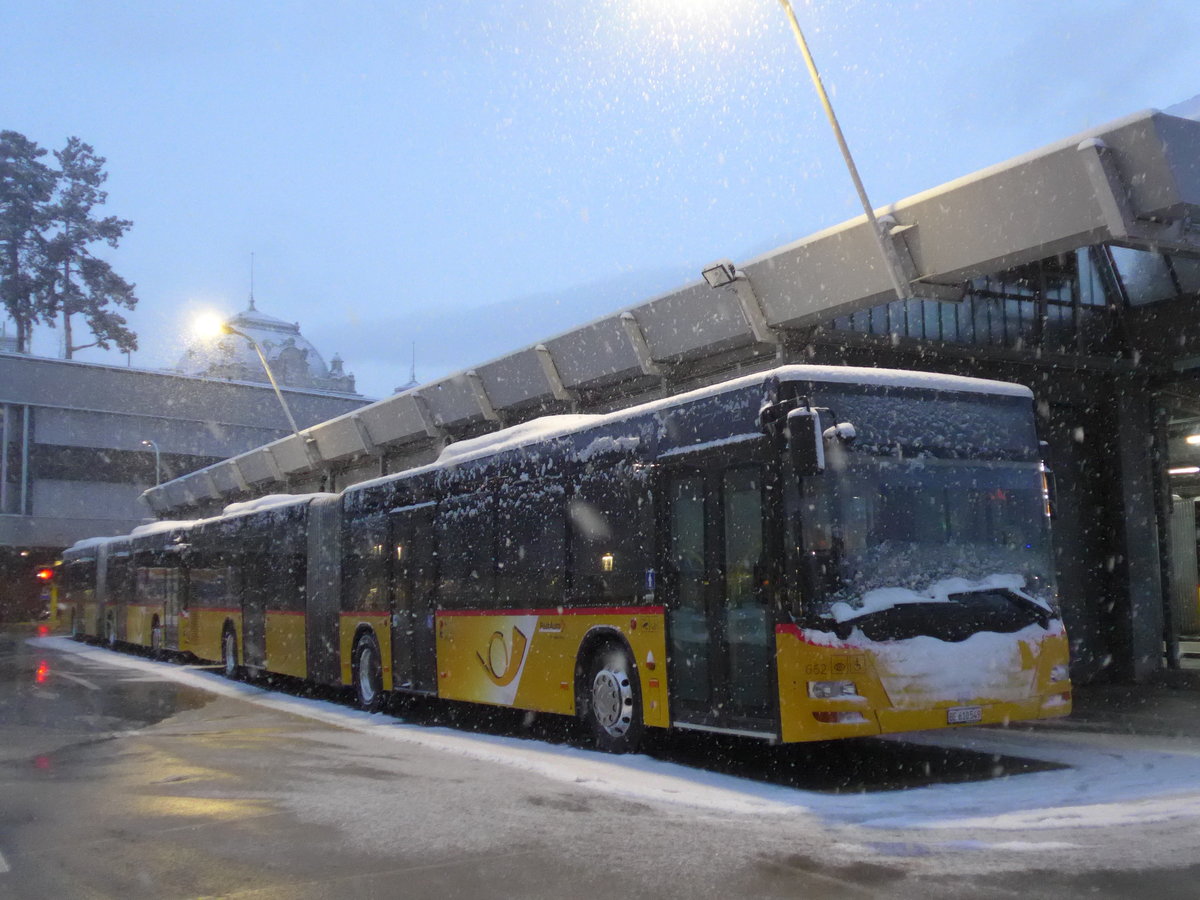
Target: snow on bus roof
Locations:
point(159, 527)
point(270, 501)
point(89, 543)
point(553, 426)
point(506, 438)
point(933, 381)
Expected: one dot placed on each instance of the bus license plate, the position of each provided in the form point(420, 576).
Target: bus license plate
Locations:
point(964, 715)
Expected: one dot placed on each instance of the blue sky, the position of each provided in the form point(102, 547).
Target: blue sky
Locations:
point(476, 176)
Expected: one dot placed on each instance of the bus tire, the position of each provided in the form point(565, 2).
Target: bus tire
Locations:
point(367, 669)
point(156, 639)
point(229, 654)
point(611, 702)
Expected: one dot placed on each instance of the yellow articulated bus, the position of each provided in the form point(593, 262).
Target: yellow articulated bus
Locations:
point(804, 554)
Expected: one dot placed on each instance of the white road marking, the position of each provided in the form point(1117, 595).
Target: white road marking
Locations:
point(3, 865)
point(90, 685)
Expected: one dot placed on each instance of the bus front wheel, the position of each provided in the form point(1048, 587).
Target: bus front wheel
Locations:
point(368, 674)
point(611, 705)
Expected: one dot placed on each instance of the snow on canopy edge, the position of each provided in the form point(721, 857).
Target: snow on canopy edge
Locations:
point(558, 425)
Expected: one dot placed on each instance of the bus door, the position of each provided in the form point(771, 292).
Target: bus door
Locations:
point(412, 579)
point(256, 588)
point(174, 588)
point(719, 616)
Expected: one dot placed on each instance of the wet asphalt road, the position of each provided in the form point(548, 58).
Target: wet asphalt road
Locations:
point(116, 783)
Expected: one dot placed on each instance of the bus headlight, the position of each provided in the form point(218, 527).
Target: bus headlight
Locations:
point(1060, 673)
point(831, 690)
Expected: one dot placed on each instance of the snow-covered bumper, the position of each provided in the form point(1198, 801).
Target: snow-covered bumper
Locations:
point(830, 688)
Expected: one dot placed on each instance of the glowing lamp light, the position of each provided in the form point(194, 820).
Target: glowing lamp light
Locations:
point(44, 574)
point(209, 325)
point(1184, 470)
point(1193, 439)
point(606, 562)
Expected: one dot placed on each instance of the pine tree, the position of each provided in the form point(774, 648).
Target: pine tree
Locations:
point(26, 186)
point(74, 281)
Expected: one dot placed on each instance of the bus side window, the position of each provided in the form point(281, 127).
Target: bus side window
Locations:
point(466, 549)
point(610, 536)
point(531, 541)
point(364, 569)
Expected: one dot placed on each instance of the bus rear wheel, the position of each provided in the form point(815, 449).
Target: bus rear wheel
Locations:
point(229, 655)
point(156, 639)
point(367, 671)
point(611, 705)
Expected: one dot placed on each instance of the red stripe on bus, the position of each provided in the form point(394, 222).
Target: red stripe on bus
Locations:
point(285, 612)
point(365, 615)
point(577, 611)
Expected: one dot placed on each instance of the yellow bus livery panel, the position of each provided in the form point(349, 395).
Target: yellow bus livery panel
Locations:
point(526, 658)
point(287, 651)
point(896, 683)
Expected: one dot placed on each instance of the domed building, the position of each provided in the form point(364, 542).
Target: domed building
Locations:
point(294, 361)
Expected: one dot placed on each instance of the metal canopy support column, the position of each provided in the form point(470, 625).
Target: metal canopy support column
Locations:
point(212, 485)
point(753, 311)
point(640, 347)
point(1143, 615)
point(481, 396)
point(25, 417)
point(273, 464)
point(4, 427)
point(553, 376)
point(239, 476)
point(433, 427)
point(364, 435)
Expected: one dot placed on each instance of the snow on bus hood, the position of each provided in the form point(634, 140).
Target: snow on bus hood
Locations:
point(923, 671)
point(879, 599)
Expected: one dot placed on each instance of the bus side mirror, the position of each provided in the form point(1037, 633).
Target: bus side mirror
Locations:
point(805, 442)
point(1049, 491)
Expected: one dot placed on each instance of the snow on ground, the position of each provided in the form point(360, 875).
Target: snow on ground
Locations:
point(1110, 779)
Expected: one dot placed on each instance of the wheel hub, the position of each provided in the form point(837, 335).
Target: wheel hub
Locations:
point(612, 701)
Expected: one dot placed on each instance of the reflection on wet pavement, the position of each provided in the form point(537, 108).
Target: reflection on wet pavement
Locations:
point(31, 678)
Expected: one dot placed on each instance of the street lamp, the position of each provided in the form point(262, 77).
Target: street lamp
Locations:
point(226, 328)
point(891, 260)
point(211, 325)
point(157, 461)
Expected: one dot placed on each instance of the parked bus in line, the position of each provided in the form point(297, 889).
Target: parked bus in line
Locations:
point(804, 554)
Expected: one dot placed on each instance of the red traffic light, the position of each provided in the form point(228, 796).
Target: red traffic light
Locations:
point(44, 574)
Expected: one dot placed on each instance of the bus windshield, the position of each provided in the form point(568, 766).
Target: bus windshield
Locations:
point(882, 534)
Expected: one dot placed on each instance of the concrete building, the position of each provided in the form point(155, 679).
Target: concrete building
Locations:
point(81, 442)
point(1074, 269)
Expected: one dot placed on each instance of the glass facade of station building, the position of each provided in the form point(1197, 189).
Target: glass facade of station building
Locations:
point(1104, 336)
